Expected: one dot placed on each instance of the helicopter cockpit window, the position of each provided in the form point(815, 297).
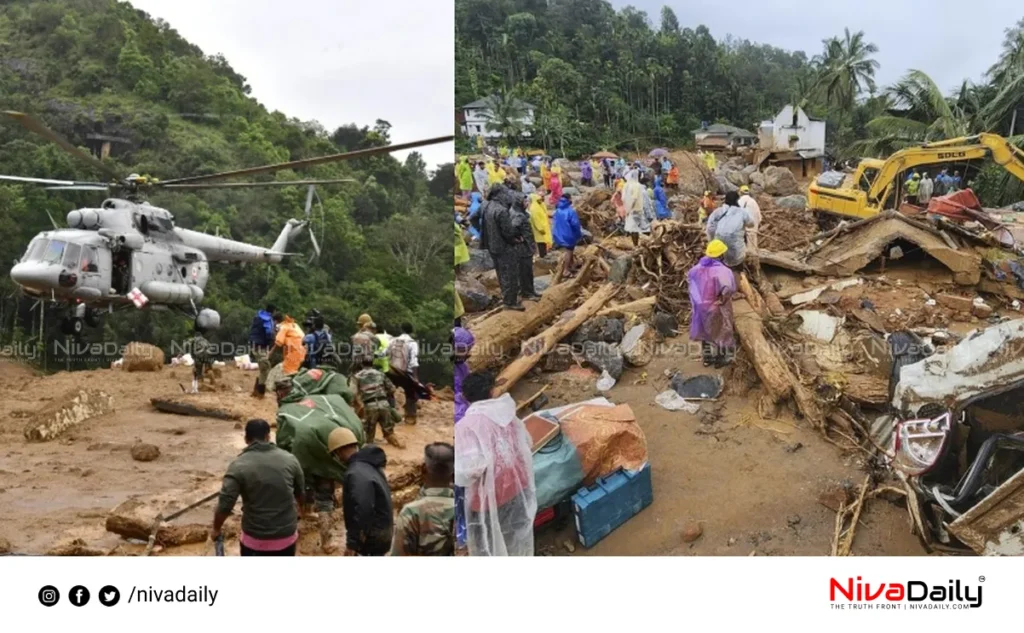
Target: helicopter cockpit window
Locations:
point(35, 250)
point(71, 255)
point(163, 225)
point(54, 252)
point(89, 259)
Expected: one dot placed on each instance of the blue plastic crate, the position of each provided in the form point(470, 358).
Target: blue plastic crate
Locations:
point(610, 502)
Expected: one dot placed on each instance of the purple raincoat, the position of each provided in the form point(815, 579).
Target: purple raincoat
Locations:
point(709, 281)
point(463, 342)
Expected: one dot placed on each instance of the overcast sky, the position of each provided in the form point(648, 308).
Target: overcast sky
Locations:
point(335, 61)
point(948, 40)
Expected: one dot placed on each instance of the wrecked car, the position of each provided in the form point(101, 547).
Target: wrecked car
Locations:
point(960, 441)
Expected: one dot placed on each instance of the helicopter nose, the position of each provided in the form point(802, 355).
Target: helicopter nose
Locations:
point(35, 275)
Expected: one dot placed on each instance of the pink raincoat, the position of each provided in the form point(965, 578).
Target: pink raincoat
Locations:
point(711, 287)
point(555, 187)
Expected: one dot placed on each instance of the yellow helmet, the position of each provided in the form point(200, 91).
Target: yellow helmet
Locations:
point(364, 319)
point(340, 438)
point(716, 248)
point(744, 189)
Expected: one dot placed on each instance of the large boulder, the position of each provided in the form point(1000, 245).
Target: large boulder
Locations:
point(473, 294)
point(749, 169)
point(724, 186)
point(479, 261)
point(779, 181)
point(756, 178)
point(142, 357)
point(797, 201)
point(737, 178)
point(599, 329)
point(638, 345)
point(605, 357)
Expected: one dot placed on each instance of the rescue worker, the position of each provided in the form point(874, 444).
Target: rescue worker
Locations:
point(639, 212)
point(426, 526)
point(540, 223)
point(270, 482)
point(728, 224)
point(525, 249)
point(289, 339)
point(464, 175)
point(707, 206)
point(711, 286)
point(480, 178)
point(586, 174)
point(376, 393)
point(364, 342)
point(567, 231)
point(673, 177)
point(748, 202)
point(365, 499)
point(501, 236)
point(261, 340)
point(202, 355)
point(312, 427)
point(925, 190)
point(912, 186)
point(403, 361)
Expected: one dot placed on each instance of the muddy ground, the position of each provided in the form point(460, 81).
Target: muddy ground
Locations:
point(53, 492)
point(754, 487)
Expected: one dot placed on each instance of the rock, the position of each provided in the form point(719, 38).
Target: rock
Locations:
point(540, 284)
point(749, 169)
point(569, 547)
point(572, 191)
point(620, 269)
point(692, 532)
point(142, 452)
point(955, 303)
point(605, 357)
point(490, 281)
point(543, 265)
point(599, 329)
point(779, 181)
point(558, 359)
point(792, 448)
point(981, 310)
point(638, 345)
point(666, 324)
point(756, 178)
point(797, 201)
point(586, 236)
point(793, 520)
point(473, 294)
point(737, 178)
point(75, 547)
point(142, 357)
point(479, 261)
point(5, 546)
point(724, 186)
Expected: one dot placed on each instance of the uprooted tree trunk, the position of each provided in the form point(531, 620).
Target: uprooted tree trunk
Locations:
point(502, 333)
point(641, 307)
point(535, 348)
point(771, 367)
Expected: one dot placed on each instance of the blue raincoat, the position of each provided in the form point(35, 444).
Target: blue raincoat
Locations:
point(661, 202)
point(565, 230)
point(477, 201)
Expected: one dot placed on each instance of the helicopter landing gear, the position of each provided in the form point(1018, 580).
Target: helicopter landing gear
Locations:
point(93, 318)
point(72, 325)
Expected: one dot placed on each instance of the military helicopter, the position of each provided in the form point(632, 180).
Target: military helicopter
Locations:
point(127, 252)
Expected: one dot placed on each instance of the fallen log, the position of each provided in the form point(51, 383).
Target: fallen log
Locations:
point(775, 375)
point(752, 295)
point(641, 307)
point(68, 410)
point(535, 348)
point(502, 334)
point(136, 517)
point(195, 409)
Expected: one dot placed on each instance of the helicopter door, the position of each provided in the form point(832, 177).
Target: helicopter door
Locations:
point(90, 268)
point(121, 272)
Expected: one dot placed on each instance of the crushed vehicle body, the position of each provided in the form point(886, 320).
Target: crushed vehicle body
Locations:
point(960, 443)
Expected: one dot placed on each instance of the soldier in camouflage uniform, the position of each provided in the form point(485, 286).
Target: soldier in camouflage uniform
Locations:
point(374, 390)
point(426, 526)
point(201, 351)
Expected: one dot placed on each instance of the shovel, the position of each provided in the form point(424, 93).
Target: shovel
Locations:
point(161, 519)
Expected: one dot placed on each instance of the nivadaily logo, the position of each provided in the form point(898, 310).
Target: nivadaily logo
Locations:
point(913, 594)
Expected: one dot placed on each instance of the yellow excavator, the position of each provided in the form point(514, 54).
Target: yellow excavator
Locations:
point(874, 187)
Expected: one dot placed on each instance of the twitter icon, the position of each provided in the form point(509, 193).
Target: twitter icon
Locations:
point(109, 596)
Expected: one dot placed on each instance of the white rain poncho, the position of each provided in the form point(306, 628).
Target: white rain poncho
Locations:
point(639, 213)
point(729, 224)
point(494, 464)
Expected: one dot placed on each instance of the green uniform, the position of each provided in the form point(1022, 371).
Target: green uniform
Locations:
point(303, 424)
point(375, 390)
point(268, 479)
point(426, 526)
point(261, 356)
point(321, 382)
point(201, 352)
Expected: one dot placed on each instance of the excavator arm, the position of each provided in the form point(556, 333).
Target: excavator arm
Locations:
point(965, 148)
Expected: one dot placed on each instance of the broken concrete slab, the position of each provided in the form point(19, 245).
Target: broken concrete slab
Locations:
point(852, 251)
point(819, 325)
point(70, 409)
point(955, 302)
point(807, 296)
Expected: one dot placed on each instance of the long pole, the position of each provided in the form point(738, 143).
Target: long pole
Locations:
point(1013, 120)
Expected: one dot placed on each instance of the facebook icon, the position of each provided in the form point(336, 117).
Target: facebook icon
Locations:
point(79, 596)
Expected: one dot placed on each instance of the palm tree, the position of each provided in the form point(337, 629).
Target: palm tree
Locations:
point(506, 116)
point(920, 113)
point(846, 68)
point(1007, 76)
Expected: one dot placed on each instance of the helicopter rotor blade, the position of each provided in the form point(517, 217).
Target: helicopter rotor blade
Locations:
point(232, 185)
point(79, 188)
point(36, 127)
point(316, 245)
point(309, 199)
point(49, 181)
point(309, 162)
point(52, 221)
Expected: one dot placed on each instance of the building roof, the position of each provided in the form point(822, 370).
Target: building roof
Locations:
point(488, 102)
point(721, 129)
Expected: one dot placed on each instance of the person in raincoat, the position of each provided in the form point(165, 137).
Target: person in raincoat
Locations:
point(729, 224)
point(526, 186)
point(494, 467)
point(707, 206)
point(289, 339)
point(480, 178)
point(545, 174)
point(672, 180)
point(639, 212)
point(712, 285)
point(661, 202)
point(924, 190)
point(711, 161)
point(492, 173)
point(912, 187)
point(608, 171)
point(619, 206)
point(586, 174)
point(462, 345)
point(540, 223)
point(461, 257)
point(567, 231)
point(476, 202)
point(555, 186)
point(464, 174)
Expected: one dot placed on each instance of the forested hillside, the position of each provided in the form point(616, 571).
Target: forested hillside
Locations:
point(101, 66)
